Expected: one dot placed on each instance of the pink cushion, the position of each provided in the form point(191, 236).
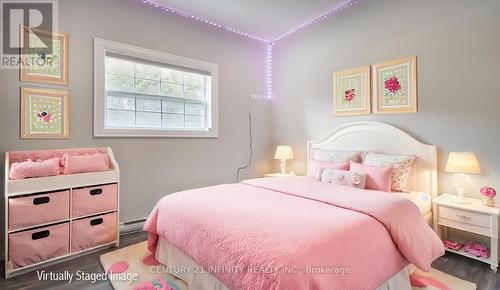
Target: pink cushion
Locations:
point(378, 177)
point(315, 165)
point(343, 177)
point(19, 156)
point(29, 169)
point(84, 163)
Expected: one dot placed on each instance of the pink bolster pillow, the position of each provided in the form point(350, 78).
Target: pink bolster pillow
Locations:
point(32, 169)
point(378, 177)
point(84, 163)
point(315, 165)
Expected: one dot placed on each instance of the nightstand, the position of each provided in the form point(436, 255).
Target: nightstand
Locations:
point(291, 174)
point(472, 217)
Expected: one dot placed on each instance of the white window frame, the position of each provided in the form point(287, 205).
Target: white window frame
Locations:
point(102, 47)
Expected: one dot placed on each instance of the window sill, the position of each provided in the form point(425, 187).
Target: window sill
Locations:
point(151, 133)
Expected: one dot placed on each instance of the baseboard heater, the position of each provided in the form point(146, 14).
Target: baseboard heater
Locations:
point(132, 226)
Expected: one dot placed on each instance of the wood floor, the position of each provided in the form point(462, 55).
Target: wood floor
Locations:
point(468, 269)
point(453, 264)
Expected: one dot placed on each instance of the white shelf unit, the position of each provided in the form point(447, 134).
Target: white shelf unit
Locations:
point(33, 186)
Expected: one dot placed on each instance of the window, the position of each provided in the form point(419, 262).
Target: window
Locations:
point(140, 92)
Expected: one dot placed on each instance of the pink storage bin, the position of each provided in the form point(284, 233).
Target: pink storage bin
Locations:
point(96, 199)
point(38, 209)
point(93, 231)
point(33, 246)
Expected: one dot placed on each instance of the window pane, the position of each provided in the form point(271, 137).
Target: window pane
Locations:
point(172, 121)
point(119, 67)
point(170, 75)
point(119, 83)
point(147, 72)
point(194, 121)
point(148, 104)
point(192, 79)
point(193, 93)
point(172, 90)
point(120, 118)
point(176, 107)
point(145, 94)
point(147, 86)
point(195, 108)
point(120, 102)
point(148, 120)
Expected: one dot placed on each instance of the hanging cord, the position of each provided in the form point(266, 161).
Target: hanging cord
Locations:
point(249, 163)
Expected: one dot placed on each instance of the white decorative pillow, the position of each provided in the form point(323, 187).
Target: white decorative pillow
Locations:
point(336, 155)
point(341, 177)
point(401, 165)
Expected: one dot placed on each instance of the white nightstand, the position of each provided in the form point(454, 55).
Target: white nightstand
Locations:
point(291, 174)
point(472, 217)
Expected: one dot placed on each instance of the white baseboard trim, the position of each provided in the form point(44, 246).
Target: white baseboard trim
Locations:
point(132, 226)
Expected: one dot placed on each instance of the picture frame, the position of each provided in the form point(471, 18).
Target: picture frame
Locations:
point(395, 87)
point(39, 66)
point(352, 92)
point(44, 113)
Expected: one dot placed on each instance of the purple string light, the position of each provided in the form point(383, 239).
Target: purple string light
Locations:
point(269, 70)
point(270, 43)
point(317, 19)
point(201, 19)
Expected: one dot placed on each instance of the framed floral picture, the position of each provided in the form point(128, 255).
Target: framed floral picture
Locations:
point(395, 86)
point(44, 65)
point(44, 113)
point(351, 92)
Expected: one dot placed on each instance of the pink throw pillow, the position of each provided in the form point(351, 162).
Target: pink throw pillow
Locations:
point(378, 177)
point(84, 163)
point(31, 169)
point(315, 165)
point(343, 177)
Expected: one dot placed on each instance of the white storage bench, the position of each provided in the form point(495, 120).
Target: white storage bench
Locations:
point(50, 219)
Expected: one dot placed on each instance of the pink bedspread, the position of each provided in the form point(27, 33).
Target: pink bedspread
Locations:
point(295, 233)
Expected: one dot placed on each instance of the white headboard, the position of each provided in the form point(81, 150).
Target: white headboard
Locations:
point(384, 138)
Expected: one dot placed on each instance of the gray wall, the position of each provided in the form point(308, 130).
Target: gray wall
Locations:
point(152, 167)
point(457, 45)
point(458, 48)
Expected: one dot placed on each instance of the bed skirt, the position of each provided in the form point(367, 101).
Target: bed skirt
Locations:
point(183, 267)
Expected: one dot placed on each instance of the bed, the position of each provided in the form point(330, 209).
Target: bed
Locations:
point(297, 233)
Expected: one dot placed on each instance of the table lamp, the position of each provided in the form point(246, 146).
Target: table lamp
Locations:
point(283, 153)
point(462, 163)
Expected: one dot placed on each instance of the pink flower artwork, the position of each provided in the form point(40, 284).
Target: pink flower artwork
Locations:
point(45, 116)
point(488, 191)
point(349, 95)
point(392, 84)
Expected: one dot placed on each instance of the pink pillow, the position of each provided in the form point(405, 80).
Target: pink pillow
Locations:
point(343, 177)
point(315, 165)
point(378, 177)
point(84, 163)
point(30, 169)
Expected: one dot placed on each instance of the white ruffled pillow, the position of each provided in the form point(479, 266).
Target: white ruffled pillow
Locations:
point(336, 155)
point(401, 165)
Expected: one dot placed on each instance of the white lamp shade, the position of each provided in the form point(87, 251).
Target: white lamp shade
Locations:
point(283, 153)
point(462, 162)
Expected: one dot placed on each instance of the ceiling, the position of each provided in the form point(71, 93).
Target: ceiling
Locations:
point(266, 19)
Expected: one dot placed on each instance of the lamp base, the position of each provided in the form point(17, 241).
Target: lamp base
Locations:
point(283, 166)
point(461, 183)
